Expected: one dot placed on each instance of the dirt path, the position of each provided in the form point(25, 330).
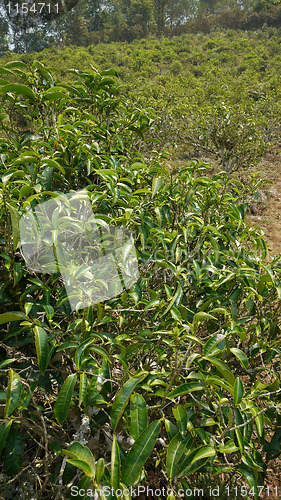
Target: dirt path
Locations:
point(270, 218)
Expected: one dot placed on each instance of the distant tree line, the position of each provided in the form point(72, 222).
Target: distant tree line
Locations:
point(26, 26)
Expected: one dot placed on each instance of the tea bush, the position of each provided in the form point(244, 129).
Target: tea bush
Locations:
point(175, 382)
point(188, 78)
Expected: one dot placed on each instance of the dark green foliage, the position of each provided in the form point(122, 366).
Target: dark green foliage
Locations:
point(215, 96)
point(178, 373)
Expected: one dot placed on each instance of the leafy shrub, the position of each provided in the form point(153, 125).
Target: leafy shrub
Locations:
point(178, 375)
point(223, 65)
point(232, 136)
point(176, 67)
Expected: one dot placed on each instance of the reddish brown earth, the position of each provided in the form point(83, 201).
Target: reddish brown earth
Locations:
point(269, 215)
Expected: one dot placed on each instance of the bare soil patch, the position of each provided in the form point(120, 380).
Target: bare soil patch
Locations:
point(269, 218)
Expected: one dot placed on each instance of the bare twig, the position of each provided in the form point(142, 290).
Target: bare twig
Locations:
point(176, 372)
point(43, 426)
point(245, 423)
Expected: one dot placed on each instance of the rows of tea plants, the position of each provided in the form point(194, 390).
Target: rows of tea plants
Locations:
point(214, 95)
point(175, 382)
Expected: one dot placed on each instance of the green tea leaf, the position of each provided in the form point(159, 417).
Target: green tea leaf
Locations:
point(250, 479)
point(100, 467)
point(139, 453)
point(62, 403)
point(205, 451)
point(238, 391)
point(16, 64)
point(12, 316)
point(102, 352)
point(48, 162)
point(15, 224)
point(13, 393)
point(42, 348)
point(228, 447)
point(115, 464)
point(176, 450)
point(222, 368)
point(186, 389)
point(122, 399)
point(240, 439)
point(138, 415)
point(53, 96)
point(80, 465)
point(181, 418)
point(83, 484)
point(156, 184)
point(82, 387)
point(202, 316)
point(188, 466)
point(259, 420)
point(81, 453)
point(4, 431)
point(18, 88)
point(13, 451)
point(241, 356)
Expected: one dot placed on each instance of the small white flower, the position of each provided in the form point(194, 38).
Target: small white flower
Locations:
point(220, 336)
